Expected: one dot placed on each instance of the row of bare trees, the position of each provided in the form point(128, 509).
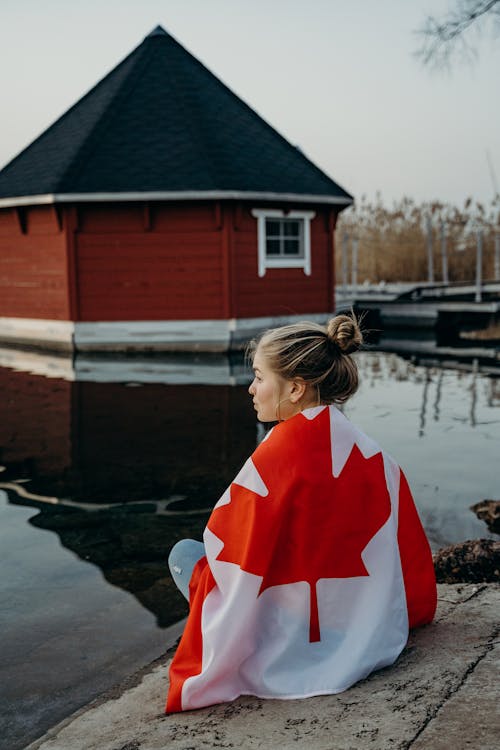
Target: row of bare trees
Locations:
point(392, 244)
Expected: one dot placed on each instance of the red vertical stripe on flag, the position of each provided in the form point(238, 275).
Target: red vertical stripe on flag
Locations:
point(188, 659)
point(416, 561)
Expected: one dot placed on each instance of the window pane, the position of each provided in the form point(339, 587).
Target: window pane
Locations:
point(291, 247)
point(272, 228)
point(272, 247)
point(291, 229)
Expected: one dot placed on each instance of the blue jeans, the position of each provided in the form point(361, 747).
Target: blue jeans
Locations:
point(183, 557)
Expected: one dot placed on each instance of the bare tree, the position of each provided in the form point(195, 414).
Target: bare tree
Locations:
point(449, 37)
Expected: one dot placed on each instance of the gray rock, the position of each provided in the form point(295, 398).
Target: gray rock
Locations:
point(489, 511)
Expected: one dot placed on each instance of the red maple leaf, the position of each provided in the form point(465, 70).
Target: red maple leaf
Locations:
point(310, 525)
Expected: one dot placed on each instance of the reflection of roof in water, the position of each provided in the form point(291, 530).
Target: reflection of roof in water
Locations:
point(129, 543)
point(170, 506)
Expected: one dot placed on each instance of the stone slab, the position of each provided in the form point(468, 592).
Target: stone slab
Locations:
point(442, 692)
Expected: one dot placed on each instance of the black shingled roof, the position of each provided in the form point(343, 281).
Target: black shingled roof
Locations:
point(160, 122)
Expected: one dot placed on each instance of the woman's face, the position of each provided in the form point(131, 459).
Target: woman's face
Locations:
point(265, 389)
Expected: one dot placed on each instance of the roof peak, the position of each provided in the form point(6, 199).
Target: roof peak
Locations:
point(157, 31)
point(171, 127)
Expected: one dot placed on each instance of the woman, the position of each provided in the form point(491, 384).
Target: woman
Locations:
point(314, 564)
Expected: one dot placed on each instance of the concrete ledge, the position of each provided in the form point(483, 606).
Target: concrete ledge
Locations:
point(56, 335)
point(217, 335)
point(441, 693)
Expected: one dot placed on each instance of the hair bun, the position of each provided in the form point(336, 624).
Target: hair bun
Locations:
point(344, 331)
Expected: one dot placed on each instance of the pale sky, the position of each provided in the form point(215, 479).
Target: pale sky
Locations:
point(335, 77)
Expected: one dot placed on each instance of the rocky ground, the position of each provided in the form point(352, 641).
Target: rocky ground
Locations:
point(475, 560)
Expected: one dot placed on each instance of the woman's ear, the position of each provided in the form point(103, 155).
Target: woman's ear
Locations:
point(297, 390)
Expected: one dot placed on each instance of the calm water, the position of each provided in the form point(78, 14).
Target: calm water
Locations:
point(106, 463)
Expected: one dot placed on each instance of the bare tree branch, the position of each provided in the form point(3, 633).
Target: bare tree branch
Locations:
point(448, 37)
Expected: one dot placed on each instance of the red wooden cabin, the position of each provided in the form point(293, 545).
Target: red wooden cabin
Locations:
point(161, 212)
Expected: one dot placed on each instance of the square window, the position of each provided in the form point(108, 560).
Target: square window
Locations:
point(284, 239)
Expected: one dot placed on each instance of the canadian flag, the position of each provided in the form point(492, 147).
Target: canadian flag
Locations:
point(316, 567)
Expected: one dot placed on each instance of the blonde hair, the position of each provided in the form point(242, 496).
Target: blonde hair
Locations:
point(318, 355)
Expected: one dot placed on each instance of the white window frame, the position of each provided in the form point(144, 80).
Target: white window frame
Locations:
point(265, 261)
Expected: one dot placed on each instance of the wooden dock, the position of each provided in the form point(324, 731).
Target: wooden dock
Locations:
point(447, 309)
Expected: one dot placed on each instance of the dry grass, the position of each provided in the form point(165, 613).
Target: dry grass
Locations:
point(393, 241)
point(492, 333)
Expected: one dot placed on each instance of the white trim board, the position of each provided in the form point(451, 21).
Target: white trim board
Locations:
point(145, 335)
point(172, 195)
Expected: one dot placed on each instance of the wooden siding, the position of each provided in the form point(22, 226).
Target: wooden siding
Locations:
point(140, 262)
point(281, 291)
point(33, 267)
point(150, 263)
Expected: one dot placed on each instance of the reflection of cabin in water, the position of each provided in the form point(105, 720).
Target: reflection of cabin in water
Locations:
point(161, 211)
point(106, 442)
